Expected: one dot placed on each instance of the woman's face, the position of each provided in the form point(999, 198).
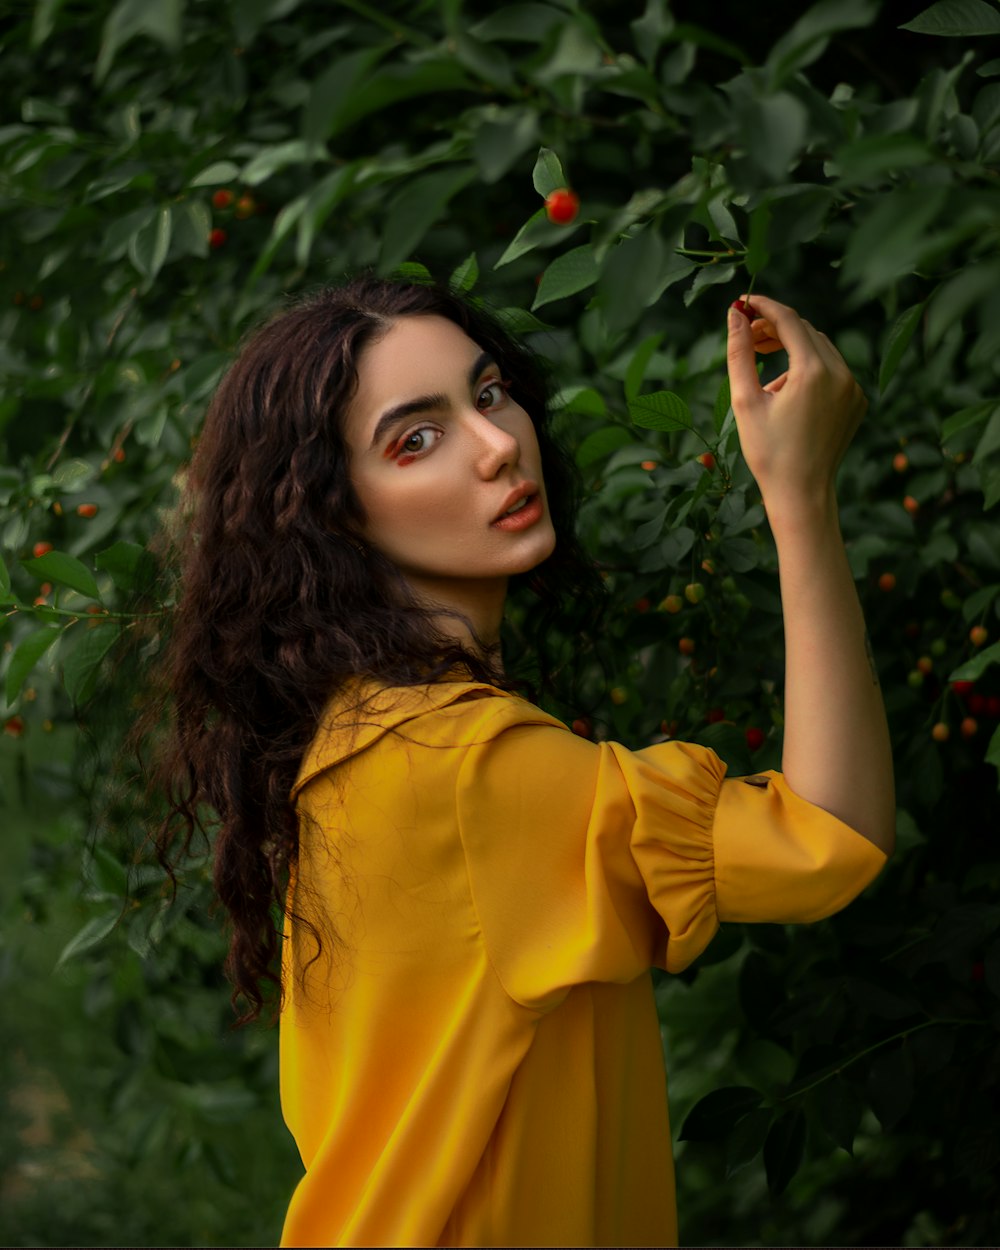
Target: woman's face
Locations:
point(446, 465)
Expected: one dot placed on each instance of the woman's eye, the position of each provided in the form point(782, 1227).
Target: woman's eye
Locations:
point(416, 442)
point(492, 395)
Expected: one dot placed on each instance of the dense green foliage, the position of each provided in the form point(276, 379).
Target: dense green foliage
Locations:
point(171, 172)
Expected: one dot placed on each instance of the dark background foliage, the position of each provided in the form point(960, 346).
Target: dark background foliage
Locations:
point(169, 171)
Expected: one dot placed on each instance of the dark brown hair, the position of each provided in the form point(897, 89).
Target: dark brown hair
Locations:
point(281, 600)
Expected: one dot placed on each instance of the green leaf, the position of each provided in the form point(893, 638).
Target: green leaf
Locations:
point(873, 157)
point(71, 476)
point(498, 143)
point(280, 156)
point(528, 23)
point(191, 225)
point(722, 405)
point(636, 372)
point(82, 666)
point(217, 172)
point(632, 278)
point(535, 232)
point(993, 750)
point(572, 272)
point(839, 1108)
point(331, 93)
point(746, 1141)
point(465, 276)
point(989, 440)
point(956, 18)
point(548, 176)
point(897, 341)
point(94, 931)
point(44, 20)
point(26, 655)
point(715, 1114)
point(57, 566)
point(599, 444)
point(973, 669)
point(129, 564)
point(783, 1150)
point(4, 581)
point(148, 247)
point(975, 414)
point(660, 410)
point(757, 255)
point(415, 208)
point(160, 20)
point(774, 130)
point(953, 299)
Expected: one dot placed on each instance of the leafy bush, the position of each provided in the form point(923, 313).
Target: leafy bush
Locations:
point(173, 172)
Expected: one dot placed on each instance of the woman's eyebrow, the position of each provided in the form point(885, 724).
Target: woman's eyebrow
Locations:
point(424, 403)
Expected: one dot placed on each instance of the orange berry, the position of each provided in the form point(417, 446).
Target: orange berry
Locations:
point(618, 695)
point(940, 732)
point(694, 592)
point(41, 549)
point(119, 456)
point(648, 465)
point(969, 726)
point(707, 459)
point(14, 725)
point(245, 207)
point(672, 604)
point(887, 581)
point(708, 566)
point(900, 462)
point(86, 510)
point(217, 237)
point(978, 635)
point(35, 303)
point(582, 727)
point(925, 664)
point(911, 505)
point(686, 646)
point(562, 206)
point(642, 605)
point(222, 198)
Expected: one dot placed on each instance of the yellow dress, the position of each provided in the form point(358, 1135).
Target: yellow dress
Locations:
point(478, 1062)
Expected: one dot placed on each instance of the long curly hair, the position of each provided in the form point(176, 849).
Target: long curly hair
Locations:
point(281, 600)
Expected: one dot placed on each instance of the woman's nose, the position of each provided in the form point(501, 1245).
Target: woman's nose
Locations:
point(496, 448)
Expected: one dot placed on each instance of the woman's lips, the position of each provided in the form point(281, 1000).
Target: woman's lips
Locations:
point(523, 518)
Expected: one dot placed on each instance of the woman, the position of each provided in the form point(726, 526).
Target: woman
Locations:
point(469, 1045)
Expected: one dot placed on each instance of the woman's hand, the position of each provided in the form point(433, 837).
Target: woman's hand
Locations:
point(795, 430)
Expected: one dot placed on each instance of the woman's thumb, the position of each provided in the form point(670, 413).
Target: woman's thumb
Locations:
point(741, 358)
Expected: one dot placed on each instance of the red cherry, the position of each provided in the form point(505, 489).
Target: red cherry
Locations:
point(755, 737)
point(581, 726)
point(887, 581)
point(707, 459)
point(746, 308)
point(911, 505)
point(686, 646)
point(993, 705)
point(222, 198)
point(715, 714)
point(217, 237)
point(977, 704)
point(962, 687)
point(642, 605)
point(978, 635)
point(86, 510)
point(41, 549)
point(900, 462)
point(562, 206)
point(14, 725)
point(969, 726)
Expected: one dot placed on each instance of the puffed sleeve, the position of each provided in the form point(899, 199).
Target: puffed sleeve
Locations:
point(590, 862)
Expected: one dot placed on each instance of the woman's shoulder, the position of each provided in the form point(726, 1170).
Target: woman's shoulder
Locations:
point(438, 714)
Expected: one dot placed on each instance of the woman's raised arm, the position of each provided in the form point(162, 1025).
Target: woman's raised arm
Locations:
point(793, 433)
